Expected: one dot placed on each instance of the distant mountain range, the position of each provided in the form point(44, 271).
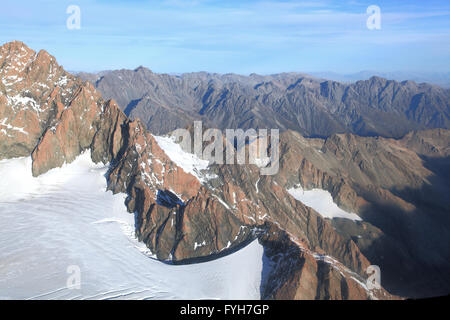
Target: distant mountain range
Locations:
point(288, 101)
point(438, 78)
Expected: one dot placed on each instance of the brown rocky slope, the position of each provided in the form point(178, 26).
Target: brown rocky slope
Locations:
point(398, 188)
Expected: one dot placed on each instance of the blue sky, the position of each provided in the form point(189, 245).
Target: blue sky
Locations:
point(262, 36)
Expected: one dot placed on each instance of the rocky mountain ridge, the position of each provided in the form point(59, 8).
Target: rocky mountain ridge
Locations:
point(183, 218)
point(288, 101)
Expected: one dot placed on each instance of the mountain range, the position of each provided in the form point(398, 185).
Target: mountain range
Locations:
point(289, 101)
point(441, 79)
point(376, 151)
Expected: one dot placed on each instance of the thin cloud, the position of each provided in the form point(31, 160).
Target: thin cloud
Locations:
point(286, 35)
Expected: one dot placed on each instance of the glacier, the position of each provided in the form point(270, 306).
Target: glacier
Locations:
point(66, 218)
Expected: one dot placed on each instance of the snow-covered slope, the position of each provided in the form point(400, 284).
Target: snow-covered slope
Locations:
point(65, 218)
point(189, 162)
point(321, 201)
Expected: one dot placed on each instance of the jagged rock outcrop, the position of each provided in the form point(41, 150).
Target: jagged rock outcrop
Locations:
point(398, 187)
point(31, 95)
point(297, 273)
point(190, 225)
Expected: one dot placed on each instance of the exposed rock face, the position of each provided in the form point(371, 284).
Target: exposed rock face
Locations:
point(176, 216)
point(311, 106)
point(398, 187)
point(31, 95)
point(430, 143)
point(73, 130)
point(300, 274)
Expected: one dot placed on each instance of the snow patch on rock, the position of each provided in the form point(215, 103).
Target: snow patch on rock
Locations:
point(189, 162)
point(321, 201)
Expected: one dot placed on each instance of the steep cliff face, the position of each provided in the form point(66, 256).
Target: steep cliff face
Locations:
point(298, 273)
point(182, 214)
point(177, 217)
point(51, 114)
point(34, 90)
point(397, 187)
